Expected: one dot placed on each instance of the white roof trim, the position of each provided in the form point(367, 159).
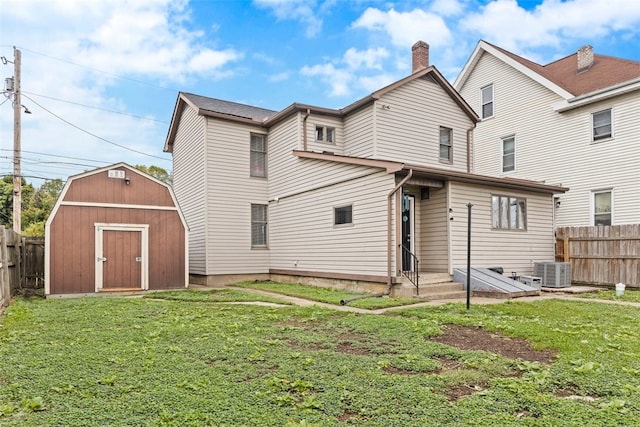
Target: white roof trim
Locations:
point(599, 95)
point(485, 47)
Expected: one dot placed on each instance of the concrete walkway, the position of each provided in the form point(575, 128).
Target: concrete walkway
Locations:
point(474, 301)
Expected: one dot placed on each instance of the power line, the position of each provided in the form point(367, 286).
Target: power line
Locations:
point(58, 155)
point(97, 108)
point(99, 71)
point(93, 134)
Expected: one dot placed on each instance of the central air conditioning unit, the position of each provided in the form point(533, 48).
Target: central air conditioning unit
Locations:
point(553, 274)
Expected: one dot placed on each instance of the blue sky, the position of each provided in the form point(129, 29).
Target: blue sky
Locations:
point(102, 74)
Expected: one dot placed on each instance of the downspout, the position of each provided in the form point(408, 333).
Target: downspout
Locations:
point(389, 244)
point(304, 130)
point(469, 134)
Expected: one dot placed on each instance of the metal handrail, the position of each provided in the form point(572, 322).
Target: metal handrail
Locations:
point(412, 274)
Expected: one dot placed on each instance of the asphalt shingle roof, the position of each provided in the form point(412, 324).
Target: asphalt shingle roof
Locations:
point(228, 107)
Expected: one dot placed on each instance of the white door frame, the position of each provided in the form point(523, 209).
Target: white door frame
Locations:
point(99, 250)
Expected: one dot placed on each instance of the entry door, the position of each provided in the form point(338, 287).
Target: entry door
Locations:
point(408, 205)
point(122, 267)
point(121, 256)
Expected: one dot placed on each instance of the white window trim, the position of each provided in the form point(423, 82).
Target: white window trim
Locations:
point(502, 140)
point(450, 159)
point(346, 224)
point(266, 229)
point(325, 128)
point(266, 155)
point(493, 102)
point(509, 228)
point(592, 205)
point(610, 137)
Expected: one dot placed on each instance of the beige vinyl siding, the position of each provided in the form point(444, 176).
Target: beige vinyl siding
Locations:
point(230, 191)
point(509, 249)
point(359, 132)
point(304, 237)
point(408, 121)
point(326, 121)
point(434, 244)
point(284, 137)
point(189, 180)
point(557, 147)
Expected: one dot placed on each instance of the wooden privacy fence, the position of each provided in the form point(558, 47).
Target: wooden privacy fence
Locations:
point(601, 255)
point(21, 264)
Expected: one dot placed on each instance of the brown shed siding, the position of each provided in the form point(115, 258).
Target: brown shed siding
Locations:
point(72, 257)
point(99, 188)
point(142, 230)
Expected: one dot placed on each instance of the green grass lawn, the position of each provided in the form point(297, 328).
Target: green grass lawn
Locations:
point(163, 362)
point(329, 295)
point(629, 295)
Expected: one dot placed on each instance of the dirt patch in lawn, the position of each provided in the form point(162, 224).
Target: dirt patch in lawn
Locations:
point(477, 338)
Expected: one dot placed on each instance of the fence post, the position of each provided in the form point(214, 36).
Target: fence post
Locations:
point(5, 287)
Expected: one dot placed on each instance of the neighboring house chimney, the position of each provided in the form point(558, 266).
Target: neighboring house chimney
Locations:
point(585, 58)
point(420, 52)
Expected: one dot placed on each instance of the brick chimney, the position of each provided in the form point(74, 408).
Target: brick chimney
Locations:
point(420, 58)
point(585, 58)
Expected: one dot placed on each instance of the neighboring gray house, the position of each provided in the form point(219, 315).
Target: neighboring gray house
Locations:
point(574, 122)
point(312, 192)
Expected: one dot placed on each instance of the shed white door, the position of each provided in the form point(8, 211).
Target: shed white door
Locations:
point(121, 257)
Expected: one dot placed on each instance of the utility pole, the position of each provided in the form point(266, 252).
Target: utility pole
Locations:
point(17, 176)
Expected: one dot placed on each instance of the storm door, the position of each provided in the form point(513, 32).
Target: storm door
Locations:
point(408, 226)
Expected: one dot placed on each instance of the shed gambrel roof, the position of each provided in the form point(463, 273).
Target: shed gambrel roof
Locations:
point(233, 111)
point(608, 76)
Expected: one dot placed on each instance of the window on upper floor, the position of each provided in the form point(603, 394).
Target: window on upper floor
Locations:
point(258, 226)
point(258, 158)
point(601, 124)
point(508, 213)
point(602, 207)
point(486, 96)
point(509, 153)
point(343, 215)
point(326, 134)
point(446, 145)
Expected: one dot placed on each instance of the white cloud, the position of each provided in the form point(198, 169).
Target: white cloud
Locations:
point(405, 28)
point(370, 58)
point(552, 23)
point(301, 10)
point(447, 7)
point(338, 79)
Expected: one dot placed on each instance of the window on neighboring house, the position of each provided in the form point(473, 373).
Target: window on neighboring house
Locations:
point(487, 101)
point(258, 159)
point(602, 124)
point(258, 226)
point(602, 204)
point(326, 134)
point(445, 144)
point(509, 153)
point(343, 215)
point(508, 213)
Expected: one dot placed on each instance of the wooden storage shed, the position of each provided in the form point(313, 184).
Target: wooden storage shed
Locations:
point(115, 229)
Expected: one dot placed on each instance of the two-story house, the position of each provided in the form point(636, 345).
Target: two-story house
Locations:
point(574, 122)
point(356, 194)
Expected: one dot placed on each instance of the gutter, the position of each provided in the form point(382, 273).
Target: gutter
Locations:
point(389, 245)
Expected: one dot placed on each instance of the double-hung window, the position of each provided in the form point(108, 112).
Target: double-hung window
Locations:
point(326, 134)
point(509, 153)
point(602, 124)
point(602, 206)
point(508, 213)
point(258, 160)
point(486, 101)
point(445, 144)
point(258, 226)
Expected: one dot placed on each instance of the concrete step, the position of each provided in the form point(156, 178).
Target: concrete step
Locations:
point(446, 290)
